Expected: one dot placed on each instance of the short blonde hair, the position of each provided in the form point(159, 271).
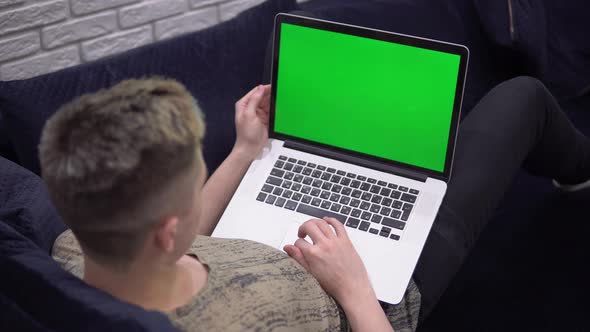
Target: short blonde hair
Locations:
point(107, 157)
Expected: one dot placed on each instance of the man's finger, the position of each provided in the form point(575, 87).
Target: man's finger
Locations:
point(264, 116)
point(264, 106)
point(267, 89)
point(265, 102)
point(255, 99)
point(338, 227)
point(262, 111)
point(265, 95)
point(245, 99)
point(295, 253)
point(311, 229)
point(325, 228)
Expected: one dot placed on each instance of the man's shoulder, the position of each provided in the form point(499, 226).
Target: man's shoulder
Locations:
point(67, 253)
point(202, 240)
point(65, 245)
point(236, 248)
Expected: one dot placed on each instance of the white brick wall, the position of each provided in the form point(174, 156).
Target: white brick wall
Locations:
point(42, 36)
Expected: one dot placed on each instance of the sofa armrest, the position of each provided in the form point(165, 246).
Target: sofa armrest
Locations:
point(26, 207)
point(38, 295)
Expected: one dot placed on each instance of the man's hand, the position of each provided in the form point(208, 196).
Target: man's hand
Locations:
point(332, 260)
point(252, 116)
point(252, 133)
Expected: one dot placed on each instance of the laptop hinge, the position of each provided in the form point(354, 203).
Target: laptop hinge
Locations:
point(355, 160)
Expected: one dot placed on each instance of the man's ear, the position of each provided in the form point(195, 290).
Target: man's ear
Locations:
point(166, 234)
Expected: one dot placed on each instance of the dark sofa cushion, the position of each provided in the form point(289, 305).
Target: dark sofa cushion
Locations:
point(26, 207)
point(41, 296)
point(36, 294)
point(518, 27)
point(12, 317)
point(545, 38)
point(6, 150)
point(218, 65)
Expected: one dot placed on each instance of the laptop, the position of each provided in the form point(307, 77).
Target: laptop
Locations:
point(362, 128)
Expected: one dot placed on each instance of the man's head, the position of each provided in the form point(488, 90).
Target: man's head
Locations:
point(124, 167)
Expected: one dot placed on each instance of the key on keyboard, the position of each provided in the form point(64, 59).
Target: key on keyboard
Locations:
point(367, 204)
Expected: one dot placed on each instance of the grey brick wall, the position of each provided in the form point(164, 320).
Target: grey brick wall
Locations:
point(42, 36)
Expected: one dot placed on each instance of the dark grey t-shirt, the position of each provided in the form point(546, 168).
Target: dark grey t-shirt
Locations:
point(254, 287)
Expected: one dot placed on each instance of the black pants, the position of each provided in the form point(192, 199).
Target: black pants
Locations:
point(517, 124)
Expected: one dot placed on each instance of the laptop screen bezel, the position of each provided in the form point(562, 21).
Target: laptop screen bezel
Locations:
point(456, 49)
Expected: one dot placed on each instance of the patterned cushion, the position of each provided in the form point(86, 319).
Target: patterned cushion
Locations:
point(26, 207)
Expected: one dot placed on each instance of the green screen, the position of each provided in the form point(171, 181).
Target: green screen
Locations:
point(379, 98)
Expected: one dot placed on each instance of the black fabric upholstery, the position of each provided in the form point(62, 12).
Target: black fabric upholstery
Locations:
point(25, 205)
point(41, 296)
point(568, 47)
point(6, 150)
point(528, 270)
point(545, 38)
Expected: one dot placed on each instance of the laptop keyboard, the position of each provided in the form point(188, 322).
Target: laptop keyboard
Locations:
point(362, 203)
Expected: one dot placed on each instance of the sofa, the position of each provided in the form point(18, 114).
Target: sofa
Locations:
point(527, 271)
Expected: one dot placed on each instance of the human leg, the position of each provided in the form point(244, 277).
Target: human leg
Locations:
point(517, 124)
